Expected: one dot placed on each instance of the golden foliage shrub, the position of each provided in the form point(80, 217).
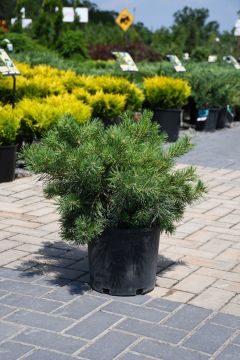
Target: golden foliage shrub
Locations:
point(165, 92)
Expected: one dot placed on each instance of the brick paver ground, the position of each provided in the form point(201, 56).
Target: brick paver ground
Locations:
point(48, 311)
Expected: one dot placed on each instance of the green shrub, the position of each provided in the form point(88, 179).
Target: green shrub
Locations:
point(72, 43)
point(48, 25)
point(22, 42)
point(122, 176)
point(200, 53)
point(212, 86)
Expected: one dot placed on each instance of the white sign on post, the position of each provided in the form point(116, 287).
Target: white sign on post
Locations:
point(25, 22)
point(125, 61)
point(212, 58)
point(174, 60)
point(231, 60)
point(7, 67)
point(237, 28)
point(68, 14)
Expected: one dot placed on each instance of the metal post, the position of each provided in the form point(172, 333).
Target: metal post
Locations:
point(14, 91)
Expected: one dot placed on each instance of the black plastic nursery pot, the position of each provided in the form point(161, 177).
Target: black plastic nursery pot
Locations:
point(210, 124)
point(124, 261)
point(224, 118)
point(191, 110)
point(169, 121)
point(212, 119)
point(7, 163)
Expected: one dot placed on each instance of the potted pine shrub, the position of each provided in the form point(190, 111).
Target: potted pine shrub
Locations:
point(9, 126)
point(117, 190)
point(166, 96)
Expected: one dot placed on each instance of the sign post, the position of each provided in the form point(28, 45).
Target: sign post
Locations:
point(126, 63)
point(7, 68)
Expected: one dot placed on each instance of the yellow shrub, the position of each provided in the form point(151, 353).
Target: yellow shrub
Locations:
point(71, 80)
point(81, 94)
point(113, 85)
point(69, 104)
point(25, 70)
point(37, 86)
point(47, 71)
point(9, 124)
point(166, 92)
point(107, 106)
point(47, 86)
point(39, 116)
point(40, 81)
point(43, 80)
point(89, 83)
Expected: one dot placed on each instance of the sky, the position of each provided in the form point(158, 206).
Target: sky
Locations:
point(157, 13)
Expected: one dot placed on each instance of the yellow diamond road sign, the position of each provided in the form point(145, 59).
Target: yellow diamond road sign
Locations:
point(125, 19)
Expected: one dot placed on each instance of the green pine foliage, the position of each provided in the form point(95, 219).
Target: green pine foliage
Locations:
point(122, 176)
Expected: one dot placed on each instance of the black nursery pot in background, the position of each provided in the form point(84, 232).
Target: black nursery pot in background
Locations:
point(212, 119)
point(124, 261)
point(210, 123)
point(169, 121)
point(224, 118)
point(7, 163)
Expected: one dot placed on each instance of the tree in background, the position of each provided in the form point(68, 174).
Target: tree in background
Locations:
point(48, 25)
point(162, 42)
point(190, 29)
point(33, 8)
point(7, 10)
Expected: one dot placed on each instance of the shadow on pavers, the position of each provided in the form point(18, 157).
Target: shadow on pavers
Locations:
point(62, 264)
point(58, 264)
point(165, 264)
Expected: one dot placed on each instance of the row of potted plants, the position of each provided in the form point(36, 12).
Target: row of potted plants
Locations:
point(211, 88)
point(41, 101)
